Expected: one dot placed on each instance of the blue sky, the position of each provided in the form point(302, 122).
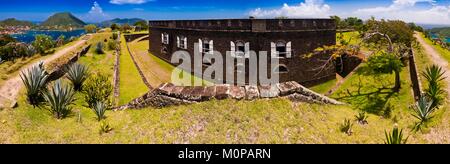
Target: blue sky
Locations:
point(419, 11)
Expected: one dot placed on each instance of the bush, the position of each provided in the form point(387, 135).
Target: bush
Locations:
point(77, 74)
point(362, 118)
point(346, 127)
point(34, 80)
point(115, 36)
point(395, 137)
point(97, 88)
point(59, 98)
point(99, 110)
point(112, 45)
point(43, 43)
point(99, 48)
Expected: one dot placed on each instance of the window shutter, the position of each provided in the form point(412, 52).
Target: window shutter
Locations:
point(162, 38)
point(200, 45)
point(233, 49)
point(273, 49)
point(211, 46)
point(185, 42)
point(178, 42)
point(289, 50)
point(247, 49)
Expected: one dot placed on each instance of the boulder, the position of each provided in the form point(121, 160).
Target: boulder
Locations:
point(251, 92)
point(222, 91)
point(269, 91)
point(237, 92)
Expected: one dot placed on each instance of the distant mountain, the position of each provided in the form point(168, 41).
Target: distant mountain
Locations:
point(442, 31)
point(63, 19)
point(431, 26)
point(15, 22)
point(119, 21)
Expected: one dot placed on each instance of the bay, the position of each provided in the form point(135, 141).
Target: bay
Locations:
point(28, 36)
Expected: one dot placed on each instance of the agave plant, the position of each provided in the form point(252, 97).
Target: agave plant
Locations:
point(99, 110)
point(434, 74)
point(435, 93)
point(59, 97)
point(362, 118)
point(346, 127)
point(395, 137)
point(105, 127)
point(34, 80)
point(77, 74)
point(423, 109)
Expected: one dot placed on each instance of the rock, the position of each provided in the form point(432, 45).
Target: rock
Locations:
point(209, 92)
point(251, 92)
point(237, 92)
point(197, 93)
point(222, 91)
point(287, 88)
point(165, 88)
point(270, 91)
point(176, 91)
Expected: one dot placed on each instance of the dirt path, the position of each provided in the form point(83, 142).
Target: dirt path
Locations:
point(10, 89)
point(440, 133)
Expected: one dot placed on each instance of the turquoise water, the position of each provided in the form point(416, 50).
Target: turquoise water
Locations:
point(435, 36)
point(28, 36)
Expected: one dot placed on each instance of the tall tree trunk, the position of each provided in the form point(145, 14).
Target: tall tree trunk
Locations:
point(397, 82)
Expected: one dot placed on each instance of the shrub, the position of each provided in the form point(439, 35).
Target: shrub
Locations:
point(99, 110)
point(59, 97)
point(34, 80)
point(395, 137)
point(112, 45)
point(99, 48)
point(42, 43)
point(97, 88)
point(362, 118)
point(423, 109)
point(105, 127)
point(115, 36)
point(77, 74)
point(346, 127)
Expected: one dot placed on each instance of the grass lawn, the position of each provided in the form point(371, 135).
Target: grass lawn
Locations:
point(158, 71)
point(131, 84)
point(324, 87)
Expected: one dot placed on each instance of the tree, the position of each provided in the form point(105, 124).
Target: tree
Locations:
point(90, 28)
point(42, 43)
point(386, 63)
point(5, 39)
point(126, 27)
point(15, 50)
point(394, 36)
point(141, 25)
point(114, 27)
point(60, 41)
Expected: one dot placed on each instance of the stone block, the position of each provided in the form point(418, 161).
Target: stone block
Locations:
point(237, 92)
point(286, 88)
point(165, 88)
point(210, 92)
point(222, 91)
point(251, 92)
point(270, 91)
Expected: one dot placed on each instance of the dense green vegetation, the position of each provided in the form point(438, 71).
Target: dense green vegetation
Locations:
point(15, 22)
point(119, 21)
point(64, 19)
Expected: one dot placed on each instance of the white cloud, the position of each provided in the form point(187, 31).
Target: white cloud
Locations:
point(406, 10)
point(309, 8)
point(96, 14)
point(121, 2)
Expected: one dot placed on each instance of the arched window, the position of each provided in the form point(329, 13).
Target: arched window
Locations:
point(165, 38)
point(281, 69)
point(182, 42)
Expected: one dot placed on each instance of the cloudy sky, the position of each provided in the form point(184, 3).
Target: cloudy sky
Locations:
point(419, 11)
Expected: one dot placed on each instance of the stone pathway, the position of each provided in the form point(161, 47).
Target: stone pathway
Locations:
point(10, 89)
point(442, 133)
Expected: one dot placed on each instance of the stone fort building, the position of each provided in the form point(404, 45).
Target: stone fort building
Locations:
point(286, 39)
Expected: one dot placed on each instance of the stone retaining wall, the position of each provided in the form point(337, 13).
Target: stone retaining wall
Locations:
point(116, 76)
point(59, 70)
point(132, 37)
point(139, 69)
point(168, 94)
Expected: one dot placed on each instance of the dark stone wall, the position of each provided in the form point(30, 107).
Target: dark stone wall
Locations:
point(304, 37)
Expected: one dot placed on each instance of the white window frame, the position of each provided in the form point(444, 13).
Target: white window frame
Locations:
point(182, 42)
point(275, 54)
point(236, 53)
point(164, 38)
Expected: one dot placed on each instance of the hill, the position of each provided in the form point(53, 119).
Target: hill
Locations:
point(443, 31)
point(15, 22)
point(119, 21)
point(63, 19)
